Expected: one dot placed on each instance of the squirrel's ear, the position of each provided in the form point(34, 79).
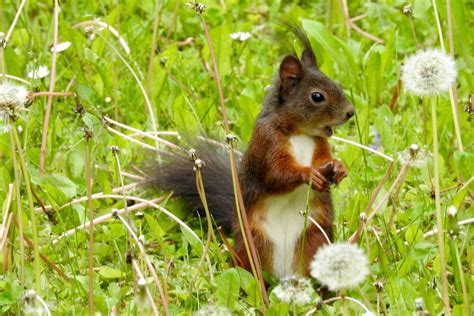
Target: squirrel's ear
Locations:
point(291, 71)
point(308, 58)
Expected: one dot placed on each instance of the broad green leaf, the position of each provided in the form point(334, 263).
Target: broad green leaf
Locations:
point(228, 286)
point(110, 273)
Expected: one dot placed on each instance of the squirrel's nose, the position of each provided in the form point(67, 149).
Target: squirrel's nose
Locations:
point(350, 113)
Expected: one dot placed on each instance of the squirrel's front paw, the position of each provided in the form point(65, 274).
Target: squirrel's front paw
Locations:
point(319, 181)
point(339, 171)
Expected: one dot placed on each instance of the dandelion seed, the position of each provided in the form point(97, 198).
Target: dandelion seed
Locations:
point(240, 36)
point(60, 47)
point(39, 73)
point(340, 266)
point(429, 72)
point(108, 99)
point(213, 310)
point(296, 291)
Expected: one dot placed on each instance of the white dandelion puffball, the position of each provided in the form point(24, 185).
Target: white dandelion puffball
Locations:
point(240, 36)
point(340, 266)
point(60, 47)
point(39, 73)
point(12, 97)
point(296, 291)
point(429, 72)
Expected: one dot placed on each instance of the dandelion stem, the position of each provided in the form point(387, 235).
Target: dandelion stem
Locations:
point(143, 203)
point(148, 262)
point(140, 85)
point(439, 219)
point(147, 289)
point(452, 98)
point(34, 230)
point(240, 207)
point(13, 77)
point(43, 303)
point(7, 218)
point(460, 223)
point(51, 94)
point(19, 206)
point(467, 304)
point(342, 298)
point(49, 105)
point(210, 231)
point(351, 25)
point(320, 228)
point(15, 19)
point(378, 153)
point(156, 23)
point(91, 227)
point(356, 235)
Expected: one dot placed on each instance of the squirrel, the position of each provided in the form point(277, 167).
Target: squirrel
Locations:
point(288, 157)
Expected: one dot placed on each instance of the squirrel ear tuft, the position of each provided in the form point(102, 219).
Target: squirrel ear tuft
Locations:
point(290, 67)
point(291, 71)
point(308, 58)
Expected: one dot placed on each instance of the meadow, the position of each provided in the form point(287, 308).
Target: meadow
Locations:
point(91, 90)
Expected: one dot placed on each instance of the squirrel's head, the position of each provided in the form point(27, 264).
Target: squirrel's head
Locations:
point(316, 102)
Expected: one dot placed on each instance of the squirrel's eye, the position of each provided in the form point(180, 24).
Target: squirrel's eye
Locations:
point(317, 97)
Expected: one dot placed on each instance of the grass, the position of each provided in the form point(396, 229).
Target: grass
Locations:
point(150, 68)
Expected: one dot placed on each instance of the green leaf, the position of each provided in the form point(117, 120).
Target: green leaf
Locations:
point(464, 162)
point(228, 287)
point(110, 273)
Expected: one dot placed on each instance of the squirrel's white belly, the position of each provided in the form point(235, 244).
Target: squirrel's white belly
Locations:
point(283, 222)
point(284, 225)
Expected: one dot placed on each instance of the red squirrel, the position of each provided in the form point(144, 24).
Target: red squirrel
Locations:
point(288, 155)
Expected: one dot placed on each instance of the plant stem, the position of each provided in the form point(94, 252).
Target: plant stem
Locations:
point(439, 219)
point(44, 136)
point(34, 230)
point(19, 209)
point(156, 23)
point(240, 207)
point(148, 262)
point(454, 107)
point(467, 302)
point(91, 227)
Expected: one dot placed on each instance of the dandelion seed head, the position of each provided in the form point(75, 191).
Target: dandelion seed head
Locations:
point(240, 36)
point(197, 7)
point(296, 291)
point(429, 72)
point(415, 156)
point(12, 100)
point(407, 10)
point(60, 47)
point(419, 303)
point(40, 72)
point(213, 310)
point(452, 211)
point(141, 282)
point(340, 266)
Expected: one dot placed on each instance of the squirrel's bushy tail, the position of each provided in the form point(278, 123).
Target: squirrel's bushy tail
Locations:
point(176, 174)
